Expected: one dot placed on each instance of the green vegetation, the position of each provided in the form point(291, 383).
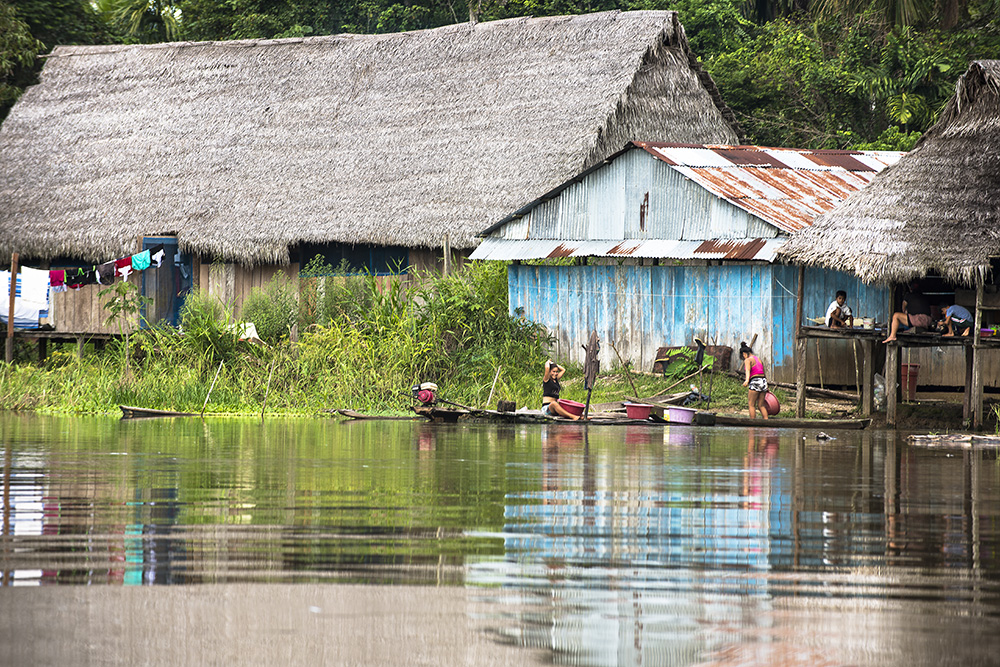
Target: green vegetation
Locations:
point(364, 341)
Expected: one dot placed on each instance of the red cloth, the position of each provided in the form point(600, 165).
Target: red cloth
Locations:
point(123, 266)
point(57, 278)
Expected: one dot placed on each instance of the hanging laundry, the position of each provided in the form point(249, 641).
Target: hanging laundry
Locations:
point(26, 315)
point(156, 255)
point(35, 287)
point(106, 273)
point(141, 261)
point(77, 278)
point(123, 267)
point(57, 279)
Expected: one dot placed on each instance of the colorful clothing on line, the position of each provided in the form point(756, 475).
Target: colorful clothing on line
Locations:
point(141, 261)
point(156, 255)
point(106, 273)
point(123, 267)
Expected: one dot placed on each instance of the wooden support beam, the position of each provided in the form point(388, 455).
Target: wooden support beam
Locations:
point(43, 349)
point(9, 353)
point(967, 397)
point(800, 377)
point(867, 378)
point(976, 398)
point(891, 383)
point(80, 342)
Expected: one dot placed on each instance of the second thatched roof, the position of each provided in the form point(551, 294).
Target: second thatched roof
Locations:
point(244, 149)
point(937, 209)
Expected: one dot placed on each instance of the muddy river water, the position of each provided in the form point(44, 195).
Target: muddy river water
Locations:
point(316, 541)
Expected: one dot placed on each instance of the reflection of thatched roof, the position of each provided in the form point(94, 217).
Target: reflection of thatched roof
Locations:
point(243, 148)
point(937, 209)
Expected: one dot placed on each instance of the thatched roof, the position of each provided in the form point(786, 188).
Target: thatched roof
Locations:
point(937, 209)
point(244, 148)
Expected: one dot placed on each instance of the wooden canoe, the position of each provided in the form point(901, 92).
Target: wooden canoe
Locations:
point(791, 422)
point(351, 414)
point(132, 412)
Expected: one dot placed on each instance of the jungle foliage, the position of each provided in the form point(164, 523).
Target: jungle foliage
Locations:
point(869, 74)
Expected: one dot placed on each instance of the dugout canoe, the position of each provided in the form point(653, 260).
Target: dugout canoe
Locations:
point(132, 412)
point(792, 422)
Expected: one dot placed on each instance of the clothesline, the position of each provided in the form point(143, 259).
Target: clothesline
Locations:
point(106, 273)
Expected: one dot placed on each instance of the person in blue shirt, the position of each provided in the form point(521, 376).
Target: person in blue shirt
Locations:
point(956, 319)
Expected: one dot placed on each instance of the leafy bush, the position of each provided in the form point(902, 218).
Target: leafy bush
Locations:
point(273, 309)
point(206, 324)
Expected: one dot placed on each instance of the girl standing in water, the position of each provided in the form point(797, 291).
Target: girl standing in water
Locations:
point(755, 381)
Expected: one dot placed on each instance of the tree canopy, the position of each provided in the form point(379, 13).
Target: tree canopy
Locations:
point(798, 73)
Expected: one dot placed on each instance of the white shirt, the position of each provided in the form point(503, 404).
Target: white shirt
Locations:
point(845, 311)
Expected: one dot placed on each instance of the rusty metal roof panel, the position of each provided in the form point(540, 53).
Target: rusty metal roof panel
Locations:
point(729, 249)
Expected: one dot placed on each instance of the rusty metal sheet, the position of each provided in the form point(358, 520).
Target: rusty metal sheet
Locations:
point(737, 249)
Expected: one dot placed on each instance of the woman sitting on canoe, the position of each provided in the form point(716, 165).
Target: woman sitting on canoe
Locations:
point(550, 391)
point(755, 382)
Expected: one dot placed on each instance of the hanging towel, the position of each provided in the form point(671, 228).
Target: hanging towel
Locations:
point(123, 267)
point(25, 316)
point(35, 287)
point(57, 279)
point(156, 255)
point(140, 262)
point(106, 273)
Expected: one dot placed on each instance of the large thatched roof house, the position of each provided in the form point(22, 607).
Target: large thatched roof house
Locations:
point(937, 209)
point(246, 149)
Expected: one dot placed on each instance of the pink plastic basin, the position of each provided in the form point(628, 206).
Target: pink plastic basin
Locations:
point(572, 407)
point(771, 403)
point(680, 415)
point(637, 410)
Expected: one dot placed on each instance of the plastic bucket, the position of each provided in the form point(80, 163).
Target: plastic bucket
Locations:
point(680, 415)
point(908, 378)
point(572, 407)
point(771, 403)
point(637, 410)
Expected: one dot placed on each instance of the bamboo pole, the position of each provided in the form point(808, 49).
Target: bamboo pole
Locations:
point(495, 378)
point(628, 376)
point(267, 390)
point(819, 362)
point(212, 387)
point(9, 354)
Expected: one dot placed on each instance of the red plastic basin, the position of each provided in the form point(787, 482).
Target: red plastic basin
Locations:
point(771, 403)
point(572, 407)
point(637, 410)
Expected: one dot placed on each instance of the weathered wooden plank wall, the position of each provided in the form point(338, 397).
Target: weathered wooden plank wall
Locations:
point(641, 308)
point(82, 310)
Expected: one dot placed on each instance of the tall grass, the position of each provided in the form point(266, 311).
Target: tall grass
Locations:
point(363, 342)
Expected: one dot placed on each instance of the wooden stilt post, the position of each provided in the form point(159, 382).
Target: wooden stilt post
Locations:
point(967, 398)
point(867, 386)
point(891, 382)
point(446, 251)
point(976, 399)
point(800, 377)
point(9, 354)
point(800, 349)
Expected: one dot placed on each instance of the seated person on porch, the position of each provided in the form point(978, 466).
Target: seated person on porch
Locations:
point(957, 320)
point(916, 313)
point(838, 313)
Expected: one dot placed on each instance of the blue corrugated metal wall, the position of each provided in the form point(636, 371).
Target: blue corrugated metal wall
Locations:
point(642, 308)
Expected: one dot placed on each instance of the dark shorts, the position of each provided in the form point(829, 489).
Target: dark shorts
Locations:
point(961, 325)
point(920, 321)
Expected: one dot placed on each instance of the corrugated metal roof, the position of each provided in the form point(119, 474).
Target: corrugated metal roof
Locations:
point(786, 187)
point(739, 249)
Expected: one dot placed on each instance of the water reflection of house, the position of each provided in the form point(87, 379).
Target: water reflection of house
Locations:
point(672, 241)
